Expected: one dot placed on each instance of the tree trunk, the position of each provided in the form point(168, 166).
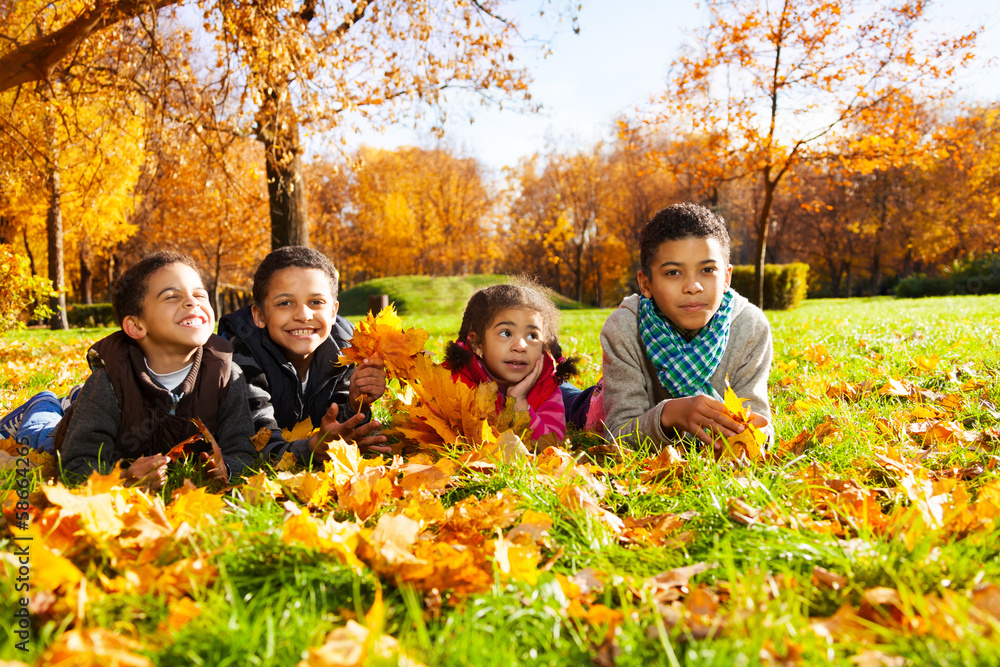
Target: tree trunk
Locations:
point(850, 280)
point(86, 272)
point(279, 132)
point(27, 251)
point(54, 222)
point(762, 228)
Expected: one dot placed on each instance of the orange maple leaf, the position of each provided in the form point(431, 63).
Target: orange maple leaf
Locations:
point(443, 413)
point(383, 336)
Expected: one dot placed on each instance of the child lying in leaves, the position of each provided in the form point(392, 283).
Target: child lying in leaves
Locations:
point(150, 382)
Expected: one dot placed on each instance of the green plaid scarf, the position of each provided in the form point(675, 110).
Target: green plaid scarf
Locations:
point(685, 368)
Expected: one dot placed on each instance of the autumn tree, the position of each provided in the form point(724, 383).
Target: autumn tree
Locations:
point(406, 211)
point(209, 201)
point(75, 134)
point(771, 85)
point(284, 65)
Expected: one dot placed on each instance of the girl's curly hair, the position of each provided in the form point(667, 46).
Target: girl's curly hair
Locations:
point(486, 304)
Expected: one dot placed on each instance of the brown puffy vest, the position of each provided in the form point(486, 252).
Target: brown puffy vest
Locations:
point(154, 419)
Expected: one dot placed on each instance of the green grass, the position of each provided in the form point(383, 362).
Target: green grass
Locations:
point(424, 295)
point(272, 601)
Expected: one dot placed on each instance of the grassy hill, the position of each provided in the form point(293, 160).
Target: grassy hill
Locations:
point(425, 295)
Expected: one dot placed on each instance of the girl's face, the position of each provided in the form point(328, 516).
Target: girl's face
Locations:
point(512, 345)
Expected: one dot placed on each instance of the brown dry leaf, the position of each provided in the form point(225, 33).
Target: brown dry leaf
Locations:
point(653, 530)
point(383, 336)
point(869, 658)
point(701, 613)
point(670, 585)
point(416, 476)
point(365, 492)
point(182, 611)
point(896, 387)
point(352, 645)
point(844, 625)
point(577, 498)
point(826, 579)
point(667, 464)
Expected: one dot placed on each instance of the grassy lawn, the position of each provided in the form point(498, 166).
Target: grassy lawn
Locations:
point(867, 536)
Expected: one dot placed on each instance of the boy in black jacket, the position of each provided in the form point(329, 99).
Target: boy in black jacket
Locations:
point(288, 343)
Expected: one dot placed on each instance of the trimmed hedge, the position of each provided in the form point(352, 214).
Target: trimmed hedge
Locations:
point(974, 276)
point(785, 285)
point(93, 315)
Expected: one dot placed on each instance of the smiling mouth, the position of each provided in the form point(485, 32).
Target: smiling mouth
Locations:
point(301, 333)
point(195, 321)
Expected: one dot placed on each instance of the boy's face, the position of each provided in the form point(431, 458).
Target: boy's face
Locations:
point(177, 316)
point(688, 279)
point(298, 312)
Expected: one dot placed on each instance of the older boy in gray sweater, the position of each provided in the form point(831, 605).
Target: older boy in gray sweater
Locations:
point(667, 351)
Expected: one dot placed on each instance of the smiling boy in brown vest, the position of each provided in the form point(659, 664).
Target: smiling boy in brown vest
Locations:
point(151, 379)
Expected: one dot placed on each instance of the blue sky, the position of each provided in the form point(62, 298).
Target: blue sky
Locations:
point(622, 56)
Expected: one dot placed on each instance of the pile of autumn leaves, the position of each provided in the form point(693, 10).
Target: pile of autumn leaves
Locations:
point(104, 538)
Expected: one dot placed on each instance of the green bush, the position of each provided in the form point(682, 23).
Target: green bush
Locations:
point(90, 315)
point(980, 275)
point(785, 285)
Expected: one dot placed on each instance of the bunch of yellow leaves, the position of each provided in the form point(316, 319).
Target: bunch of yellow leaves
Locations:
point(383, 336)
point(748, 444)
point(437, 412)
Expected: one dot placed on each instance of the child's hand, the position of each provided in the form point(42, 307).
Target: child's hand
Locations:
point(368, 381)
point(520, 390)
point(214, 469)
point(149, 471)
point(351, 430)
point(760, 421)
point(705, 417)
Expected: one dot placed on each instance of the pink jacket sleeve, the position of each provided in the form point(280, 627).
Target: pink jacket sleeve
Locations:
point(549, 417)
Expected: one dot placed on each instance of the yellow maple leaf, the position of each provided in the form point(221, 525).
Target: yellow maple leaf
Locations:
point(749, 443)
point(302, 430)
point(383, 336)
point(97, 513)
point(330, 536)
point(194, 505)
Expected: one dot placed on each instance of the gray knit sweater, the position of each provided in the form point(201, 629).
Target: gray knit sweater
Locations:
point(633, 395)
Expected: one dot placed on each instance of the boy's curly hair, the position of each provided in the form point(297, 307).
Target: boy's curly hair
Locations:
point(130, 290)
point(487, 303)
point(677, 222)
point(291, 256)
